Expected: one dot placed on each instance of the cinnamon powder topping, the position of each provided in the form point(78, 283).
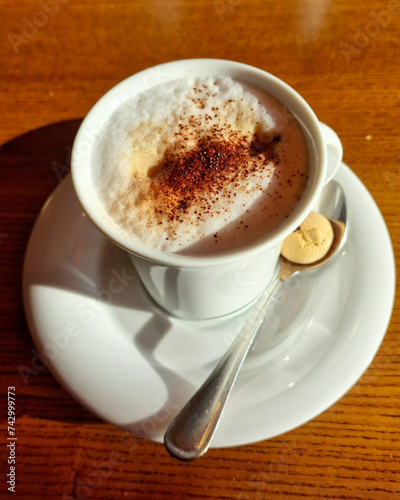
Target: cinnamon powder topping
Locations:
point(195, 176)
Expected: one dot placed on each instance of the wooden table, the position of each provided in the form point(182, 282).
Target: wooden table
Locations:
point(57, 58)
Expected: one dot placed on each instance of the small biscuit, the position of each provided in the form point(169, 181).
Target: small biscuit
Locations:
point(310, 242)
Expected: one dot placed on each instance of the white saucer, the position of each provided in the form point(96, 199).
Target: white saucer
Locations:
point(132, 365)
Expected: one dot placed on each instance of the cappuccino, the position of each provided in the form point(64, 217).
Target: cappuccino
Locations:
point(200, 165)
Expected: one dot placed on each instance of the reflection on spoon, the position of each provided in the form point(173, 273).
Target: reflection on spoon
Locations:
point(190, 433)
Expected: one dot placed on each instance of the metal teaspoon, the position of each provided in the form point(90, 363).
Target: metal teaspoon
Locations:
point(190, 433)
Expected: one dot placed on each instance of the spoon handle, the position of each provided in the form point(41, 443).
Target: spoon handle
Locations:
point(191, 431)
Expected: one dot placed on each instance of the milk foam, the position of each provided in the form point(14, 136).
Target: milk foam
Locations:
point(200, 165)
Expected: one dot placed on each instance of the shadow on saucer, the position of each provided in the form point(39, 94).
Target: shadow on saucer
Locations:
point(178, 388)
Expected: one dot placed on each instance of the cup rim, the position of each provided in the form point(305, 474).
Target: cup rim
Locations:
point(80, 166)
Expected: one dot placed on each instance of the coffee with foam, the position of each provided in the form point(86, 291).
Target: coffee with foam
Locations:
point(201, 165)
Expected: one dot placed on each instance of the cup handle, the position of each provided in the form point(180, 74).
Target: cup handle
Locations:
point(334, 151)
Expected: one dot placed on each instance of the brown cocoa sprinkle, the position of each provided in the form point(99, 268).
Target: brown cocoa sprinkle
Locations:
point(192, 177)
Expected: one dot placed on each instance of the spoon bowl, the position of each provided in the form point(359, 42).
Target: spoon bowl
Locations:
point(189, 434)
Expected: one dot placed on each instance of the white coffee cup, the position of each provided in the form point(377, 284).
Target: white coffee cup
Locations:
point(202, 287)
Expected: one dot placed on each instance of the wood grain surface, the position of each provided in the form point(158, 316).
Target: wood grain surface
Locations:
point(57, 58)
